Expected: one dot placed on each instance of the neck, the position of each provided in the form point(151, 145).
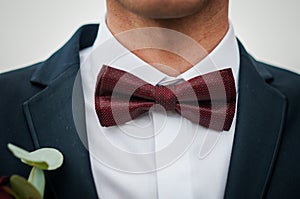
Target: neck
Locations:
point(207, 27)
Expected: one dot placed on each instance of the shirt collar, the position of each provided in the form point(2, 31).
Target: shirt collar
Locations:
point(224, 55)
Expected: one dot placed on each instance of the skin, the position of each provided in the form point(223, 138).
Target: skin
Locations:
point(205, 21)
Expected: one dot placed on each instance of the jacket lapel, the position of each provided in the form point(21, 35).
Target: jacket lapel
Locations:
point(50, 118)
point(260, 119)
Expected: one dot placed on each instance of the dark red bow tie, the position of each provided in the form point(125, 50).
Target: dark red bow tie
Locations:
point(208, 100)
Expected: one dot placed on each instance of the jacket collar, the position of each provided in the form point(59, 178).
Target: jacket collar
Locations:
point(66, 56)
point(260, 69)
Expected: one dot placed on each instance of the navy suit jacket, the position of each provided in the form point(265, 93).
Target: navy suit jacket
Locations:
point(36, 111)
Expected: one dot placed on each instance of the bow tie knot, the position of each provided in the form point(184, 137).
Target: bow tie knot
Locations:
point(164, 95)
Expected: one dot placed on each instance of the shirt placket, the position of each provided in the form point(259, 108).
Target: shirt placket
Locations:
point(175, 173)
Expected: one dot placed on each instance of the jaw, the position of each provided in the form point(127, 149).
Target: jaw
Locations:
point(163, 9)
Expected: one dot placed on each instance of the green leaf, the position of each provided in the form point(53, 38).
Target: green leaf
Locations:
point(37, 178)
point(23, 188)
point(44, 158)
point(51, 156)
point(26, 157)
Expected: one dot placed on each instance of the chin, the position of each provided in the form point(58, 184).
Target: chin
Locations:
point(163, 9)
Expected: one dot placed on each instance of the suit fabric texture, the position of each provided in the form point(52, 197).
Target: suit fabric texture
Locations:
point(36, 111)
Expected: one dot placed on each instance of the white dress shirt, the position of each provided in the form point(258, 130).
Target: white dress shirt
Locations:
point(159, 154)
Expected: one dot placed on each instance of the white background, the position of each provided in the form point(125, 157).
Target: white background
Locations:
point(31, 30)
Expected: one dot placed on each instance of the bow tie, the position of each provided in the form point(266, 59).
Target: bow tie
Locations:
point(208, 100)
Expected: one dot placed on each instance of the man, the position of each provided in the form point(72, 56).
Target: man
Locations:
point(254, 157)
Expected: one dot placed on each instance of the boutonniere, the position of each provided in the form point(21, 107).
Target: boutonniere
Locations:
point(32, 188)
